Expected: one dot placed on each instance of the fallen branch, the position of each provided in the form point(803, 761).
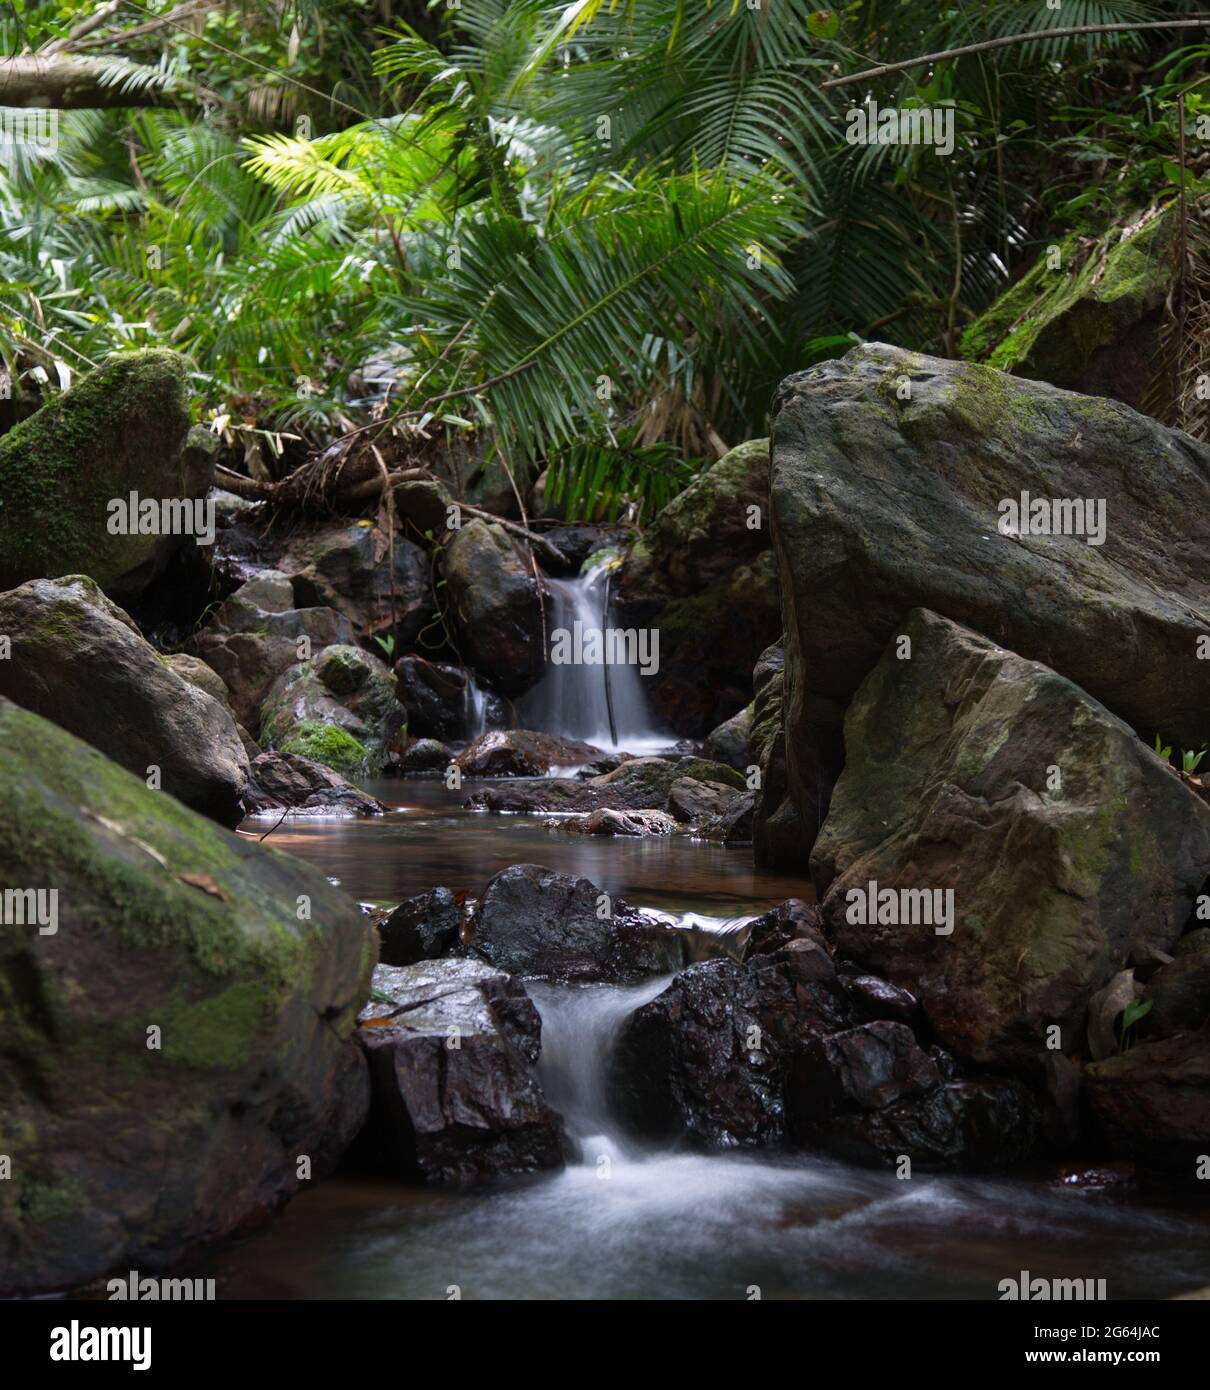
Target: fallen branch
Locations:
point(1075, 31)
point(63, 82)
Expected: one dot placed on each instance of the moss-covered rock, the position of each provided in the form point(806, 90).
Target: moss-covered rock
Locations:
point(1090, 322)
point(329, 746)
point(120, 429)
point(180, 1040)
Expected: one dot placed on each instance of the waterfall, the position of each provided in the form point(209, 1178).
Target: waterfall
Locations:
point(574, 699)
point(475, 706)
point(579, 1027)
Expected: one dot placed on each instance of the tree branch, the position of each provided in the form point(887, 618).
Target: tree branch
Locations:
point(1074, 32)
point(66, 83)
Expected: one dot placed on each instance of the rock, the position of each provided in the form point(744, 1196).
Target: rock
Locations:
point(257, 634)
point(733, 824)
point(777, 837)
point(653, 778)
point(869, 1067)
point(1096, 325)
point(437, 697)
point(792, 920)
point(77, 659)
point(691, 801)
point(338, 709)
point(949, 759)
point(425, 927)
point(966, 1125)
point(881, 504)
point(424, 505)
point(120, 429)
point(729, 743)
point(534, 922)
point(455, 1114)
point(1197, 940)
point(283, 781)
point(1104, 1009)
point(494, 601)
point(523, 753)
point(1152, 1103)
point(346, 568)
point(703, 574)
point(695, 1063)
point(197, 673)
point(558, 795)
point(427, 755)
point(1179, 995)
point(124, 1154)
point(875, 998)
point(607, 822)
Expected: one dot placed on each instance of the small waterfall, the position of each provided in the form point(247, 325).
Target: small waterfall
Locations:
point(475, 706)
point(573, 699)
point(579, 1027)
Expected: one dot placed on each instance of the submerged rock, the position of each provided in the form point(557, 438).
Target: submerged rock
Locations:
point(452, 1046)
point(77, 659)
point(120, 429)
point(889, 479)
point(180, 1039)
point(534, 922)
point(949, 789)
point(607, 822)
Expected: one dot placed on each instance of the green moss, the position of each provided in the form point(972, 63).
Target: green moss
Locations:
point(112, 432)
point(329, 745)
point(221, 1030)
point(343, 668)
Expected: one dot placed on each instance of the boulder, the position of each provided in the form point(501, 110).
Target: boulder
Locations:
point(494, 602)
point(1152, 1103)
point(703, 574)
point(950, 789)
point(180, 1039)
point(426, 755)
point(423, 504)
point(1180, 995)
point(196, 672)
point(523, 753)
point(891, 475)
point(424, 927)
point(77, 659)
point(1094, 322)
point(729, 743)
point(733, 824)
point(607, 822)
point(534, 922)
point(868, 1067)
point(346, 568)
point(120, 429)
point(282, 781)
point(338, 709)
point(777, 838)
point(692, 801)
point(257, 634)
point(452, 1046)
point(437, 698)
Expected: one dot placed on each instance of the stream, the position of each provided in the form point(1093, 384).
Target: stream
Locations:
point(624, 1220)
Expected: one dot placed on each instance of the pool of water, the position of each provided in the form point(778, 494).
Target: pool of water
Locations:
point(625, 1220)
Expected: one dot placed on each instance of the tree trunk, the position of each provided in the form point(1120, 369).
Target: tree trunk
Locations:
point(67, 83)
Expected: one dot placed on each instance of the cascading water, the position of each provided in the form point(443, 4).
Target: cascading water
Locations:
point(576, 698)
point(475, 707)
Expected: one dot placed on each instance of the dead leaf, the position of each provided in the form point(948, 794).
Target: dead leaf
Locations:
point(205, 883)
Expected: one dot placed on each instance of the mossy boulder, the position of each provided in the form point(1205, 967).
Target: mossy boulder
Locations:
point(180, 1041)
point(1070, 849)
point(1087, 315)
point(120, 429)
point(703, 575)
point(894, 479)
point(79, 660)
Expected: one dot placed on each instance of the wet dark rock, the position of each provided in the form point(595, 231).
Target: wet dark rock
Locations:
point(1152, 1103)
point(729, 743)
point(777, 840)
point(522, 753)
point(288, 780)
point(534, 922)
point(883, 502)
point(1180, 996)
point(733, 824)
point(792, 920)
point(427, 755)
point(692, 801)
point(1198, 940)
point(877, 998)
point(424, 927)
point(870, 1067)
point(436, 697)
point(452, 1046)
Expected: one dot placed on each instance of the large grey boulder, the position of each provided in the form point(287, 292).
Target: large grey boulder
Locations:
point(1068, 846)
point(78, 660)
point(888, 471)
point(179, 1042)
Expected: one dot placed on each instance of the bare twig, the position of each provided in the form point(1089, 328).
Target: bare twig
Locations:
point(1074, 31)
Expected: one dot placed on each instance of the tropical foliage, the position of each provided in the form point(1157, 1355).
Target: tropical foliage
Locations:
point(589, 236)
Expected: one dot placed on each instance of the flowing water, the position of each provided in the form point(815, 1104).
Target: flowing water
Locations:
point(601, 704)
point(626, 1220)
